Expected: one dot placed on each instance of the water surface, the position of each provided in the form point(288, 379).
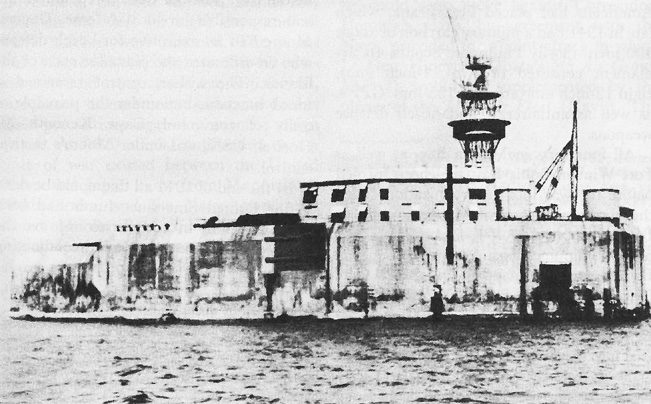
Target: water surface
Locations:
point(390, 361)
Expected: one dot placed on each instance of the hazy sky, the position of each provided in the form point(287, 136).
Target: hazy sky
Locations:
point(117, 112)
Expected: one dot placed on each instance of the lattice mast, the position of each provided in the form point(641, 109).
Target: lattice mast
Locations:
point(574, 166)
point(480, 130)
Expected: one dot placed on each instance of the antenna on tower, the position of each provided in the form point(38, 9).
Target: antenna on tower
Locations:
point(456, 42)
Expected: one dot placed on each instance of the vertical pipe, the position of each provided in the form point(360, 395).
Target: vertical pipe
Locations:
point(194, 282)
point(631, 259)
point(449, 216)
point(642, 286)
point(338, 264)
point(523, 277)
point(574, 165)
point(436, 267)
point(608, 263)
point(328, 291)
point(616, 256)
point(271, 278)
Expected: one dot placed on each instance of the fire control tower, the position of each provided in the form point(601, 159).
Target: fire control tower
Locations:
point(480, 130)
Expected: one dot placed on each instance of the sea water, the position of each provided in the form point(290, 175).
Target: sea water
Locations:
point(352, 361)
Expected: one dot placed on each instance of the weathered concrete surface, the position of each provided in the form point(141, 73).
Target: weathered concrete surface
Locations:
point(373, 268)
point(401, 263)
point(64, 282)
point(210, 272)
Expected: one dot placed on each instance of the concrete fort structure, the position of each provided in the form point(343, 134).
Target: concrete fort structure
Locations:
point(414, 246)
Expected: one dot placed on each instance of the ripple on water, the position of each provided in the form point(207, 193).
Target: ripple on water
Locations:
point(389, 361)
point(133, 369)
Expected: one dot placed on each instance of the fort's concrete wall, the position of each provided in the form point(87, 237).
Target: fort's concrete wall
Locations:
point(387, 268)
point(401, 263)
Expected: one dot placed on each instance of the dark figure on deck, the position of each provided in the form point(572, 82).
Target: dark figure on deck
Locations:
point(269, 285)
point(568, 307)
point(94, 294)
point(588, 310)
point(363, 299)
point(436, 303)
point(537, 304)
point(608, 304)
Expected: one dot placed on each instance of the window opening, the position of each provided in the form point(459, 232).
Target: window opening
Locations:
point(477, 193)
point(337, 217)
point(309, 195)
point(338, 194)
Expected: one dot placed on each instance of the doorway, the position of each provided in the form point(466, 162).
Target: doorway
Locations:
point(555, 281)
